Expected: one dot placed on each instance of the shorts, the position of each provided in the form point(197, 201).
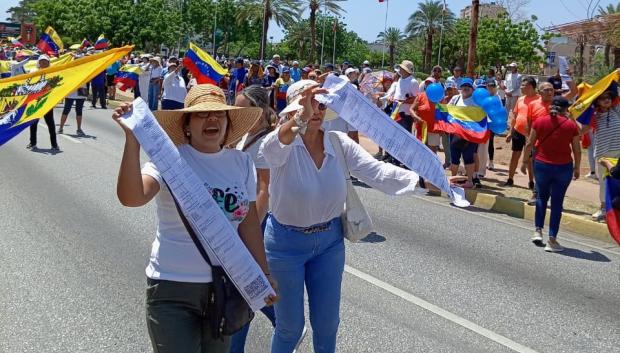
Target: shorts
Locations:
point(109, 79)
point(79, 105)
point(433, 139)
point(518, 141)
point(463, 149)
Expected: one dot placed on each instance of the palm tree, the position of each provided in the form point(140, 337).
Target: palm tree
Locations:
point(473, 36)
point(297, 36)
point(315, 5)
point(284, 12)
point(609, 10)
point(391, 37)
point(427, 21)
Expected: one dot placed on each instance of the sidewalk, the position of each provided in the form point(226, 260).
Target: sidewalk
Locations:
point(581, 200)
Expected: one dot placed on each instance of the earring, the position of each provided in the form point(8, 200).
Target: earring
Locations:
point(187, 134)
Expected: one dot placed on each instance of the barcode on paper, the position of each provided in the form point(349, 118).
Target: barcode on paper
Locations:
point(256, 287)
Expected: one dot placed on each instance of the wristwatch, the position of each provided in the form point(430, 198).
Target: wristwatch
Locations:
point(303, 125)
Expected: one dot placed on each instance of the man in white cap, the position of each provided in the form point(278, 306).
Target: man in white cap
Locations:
point(296, 71)
point(512, 86)
point(42, 63)
point(352, 75)
point(275, 61)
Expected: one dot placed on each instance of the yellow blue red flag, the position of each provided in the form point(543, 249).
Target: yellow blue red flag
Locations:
point(102, 43)
point(128, 76)
point(582, 110)
point(470, 123)
point(202, 65)
point(26, 98)
point(50, 42)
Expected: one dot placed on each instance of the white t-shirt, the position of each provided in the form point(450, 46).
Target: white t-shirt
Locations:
point(155, 72)
point(230, 178)
point(459, 101)
point(338, 124)
point(303, 195)
point(174, 87)
point(405, 88)
point(259, 160)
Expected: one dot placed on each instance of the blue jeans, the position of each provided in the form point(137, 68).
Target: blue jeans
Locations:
point(153, 96)
point(237, 341)
point(316, 260)
point(551, 181)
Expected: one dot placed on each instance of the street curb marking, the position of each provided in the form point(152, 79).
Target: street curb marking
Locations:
point(519, 209)
point(504, 341)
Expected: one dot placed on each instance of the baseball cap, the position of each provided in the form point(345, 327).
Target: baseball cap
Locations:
point(286, 69)
point(276, 56)
point(295, 62)
point(366, 62)
point(43, 57)
point(560, 101)
point(293, 95)
point(480, 83)
point(467, 82)
point(350, 70)
point(329, 66)
point(512, 64)
point(306, 69)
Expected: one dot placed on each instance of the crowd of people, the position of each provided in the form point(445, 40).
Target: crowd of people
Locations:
point(290, 153)
point(262, 133)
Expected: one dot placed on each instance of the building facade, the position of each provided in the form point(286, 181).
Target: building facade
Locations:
point(491, 9)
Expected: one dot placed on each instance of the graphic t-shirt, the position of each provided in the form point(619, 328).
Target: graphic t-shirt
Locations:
point(230, 178)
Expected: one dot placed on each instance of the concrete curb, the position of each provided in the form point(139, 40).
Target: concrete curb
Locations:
point(520, 209)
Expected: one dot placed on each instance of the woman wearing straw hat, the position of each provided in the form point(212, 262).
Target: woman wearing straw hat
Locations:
point(304, 240)
point(178, 277)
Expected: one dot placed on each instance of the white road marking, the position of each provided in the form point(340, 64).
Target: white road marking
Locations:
point(72, 139)
point(496, 219)
point(504, 341)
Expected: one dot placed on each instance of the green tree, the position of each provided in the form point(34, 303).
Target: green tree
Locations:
point(283, 12)
point(427, 21)
point(315, 5)
point(613, 35)
point(499, 41)
point(22, 12)
point(392, 37)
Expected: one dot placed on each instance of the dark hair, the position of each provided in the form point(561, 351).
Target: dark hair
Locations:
point(259, 97)
point(611, 93)
point(559, 106)
point(188, 116)
point(531, 81)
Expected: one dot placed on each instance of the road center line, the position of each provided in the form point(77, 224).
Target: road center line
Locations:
point(504, 341)
point(72, 139)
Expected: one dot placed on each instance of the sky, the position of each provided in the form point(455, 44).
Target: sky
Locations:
point(367, 17)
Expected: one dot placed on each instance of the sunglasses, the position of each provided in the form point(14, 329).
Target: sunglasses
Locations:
point(322, 107)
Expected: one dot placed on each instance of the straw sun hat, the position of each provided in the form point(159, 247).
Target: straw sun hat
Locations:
point(208, 98)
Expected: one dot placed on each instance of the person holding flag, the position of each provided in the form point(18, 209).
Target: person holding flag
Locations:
point(42, 63)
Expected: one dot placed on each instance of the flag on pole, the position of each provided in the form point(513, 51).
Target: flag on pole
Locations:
point(50, 42)
point(15, 41)
point(26, 98)
point(128, 76)
point(202, 65)
point(101, 43)
point(583, 110)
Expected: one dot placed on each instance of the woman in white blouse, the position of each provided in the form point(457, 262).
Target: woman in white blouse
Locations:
point(303, 235)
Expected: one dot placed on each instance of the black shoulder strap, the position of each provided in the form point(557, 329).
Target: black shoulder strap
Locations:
point(189, 229)
point(552, 131)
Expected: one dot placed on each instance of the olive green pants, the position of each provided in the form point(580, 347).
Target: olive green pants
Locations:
point(176, 318)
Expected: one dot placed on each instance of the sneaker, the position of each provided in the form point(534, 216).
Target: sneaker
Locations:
point(537, 237)
point(592, 176)
point(491, 166)
point(599, 216)
point(508, 182)
point(59, 131)
point(301, 339)
point(79, 132)
point(55, 149)
point(31, 146)
point(554, 247)
point(532, 200)
point(530, 185)
point(477, 183)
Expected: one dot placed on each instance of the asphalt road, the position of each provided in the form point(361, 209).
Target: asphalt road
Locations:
point(433, 279)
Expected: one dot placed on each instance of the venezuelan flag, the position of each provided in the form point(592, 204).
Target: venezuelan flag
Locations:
point(612, 215)
point(5, 68)
point(203, 66)
point(15, 41)
point(102, 42)
point(470, 123)
point(583, 110)
point(128, 76)
point(50, 43)
point(26, 98)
